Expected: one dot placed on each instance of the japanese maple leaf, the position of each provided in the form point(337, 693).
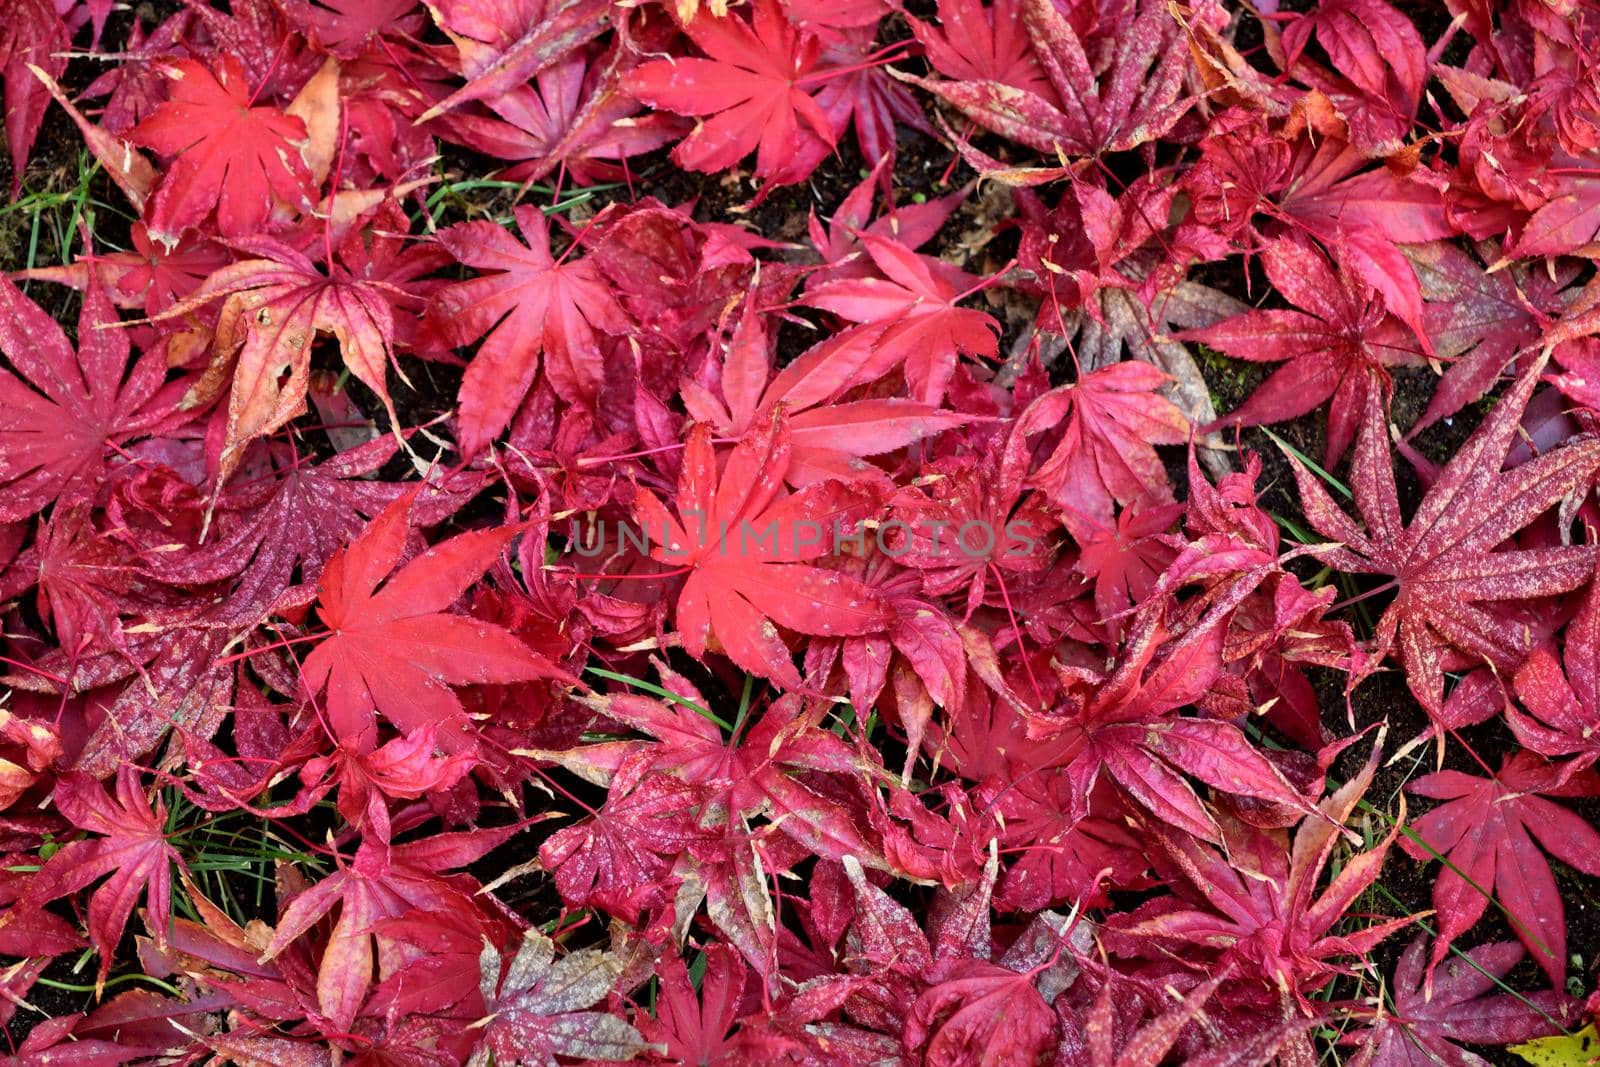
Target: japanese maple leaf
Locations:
point(1010, 531)
point(538, 1006)
point(531, 305)
point(760, 772)
point(920, 656)
point(753, 88)
point(1113, 1030)
point(981, 1013)
point(1059, 859)
point(748, 551)
point(619, 858)
point(60, 410)
point(574, 118)
point(1338, 346)
point(407, 767)
point(693, 1024)
point(344, 27)
point(1427, 1031)
point(149, 276)
point(132, 86)
point(1257, 901)
point(1381, 64)
point(828, 435)
point(1568, 223)
point(1562, 697)
point(1122, 725)
point(974, 43)
point(226, 153)
point(1365, 213)
point(382, 881)
point(443, 978)
point(1320, 183)
point(1111, 250)
point(260, 35)
point(1111, 418)
point(917, 298)
point(887, 948)
point(274, 308)
point(1134, 97)
point(130, 846)
point(85, 582)
point(1445, 567)
point(32, 33)
point(859, 90)
point(1126, 559)
point(1486, 828)
point(913, 225)
point(395, 650)
point(1480, 319)
point(502, 46)
point(290, 515)
point(1579, 379)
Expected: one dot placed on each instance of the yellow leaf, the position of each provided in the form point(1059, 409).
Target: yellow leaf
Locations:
point(1578, 1050)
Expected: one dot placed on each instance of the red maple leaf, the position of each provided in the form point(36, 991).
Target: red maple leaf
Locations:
point(752, 89)
point(619, 858)
point(1486, 829)
point(974, 43)
point(532, 305)
point(1339, 345)
point(916, 300)
point(1122, 725)
point(274, 308)
point(32, 34)
point(1446, 570)
point(1563, 697)
point(1132, 97)
point(694, 1025)
point(1111, 420)
point(226, 153)
point(381, 882)
point(746, 550)
point(395, 649)
point(130, 846)
point(62, 410)
point(502, 46)
point(1427, 1026)
point(574, 118)
point(1480, 319)
point(829, 435)
point(536, 1008)
point(1265, 915)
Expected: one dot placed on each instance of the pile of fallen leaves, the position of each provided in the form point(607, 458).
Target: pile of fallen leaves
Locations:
point(848, 645)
